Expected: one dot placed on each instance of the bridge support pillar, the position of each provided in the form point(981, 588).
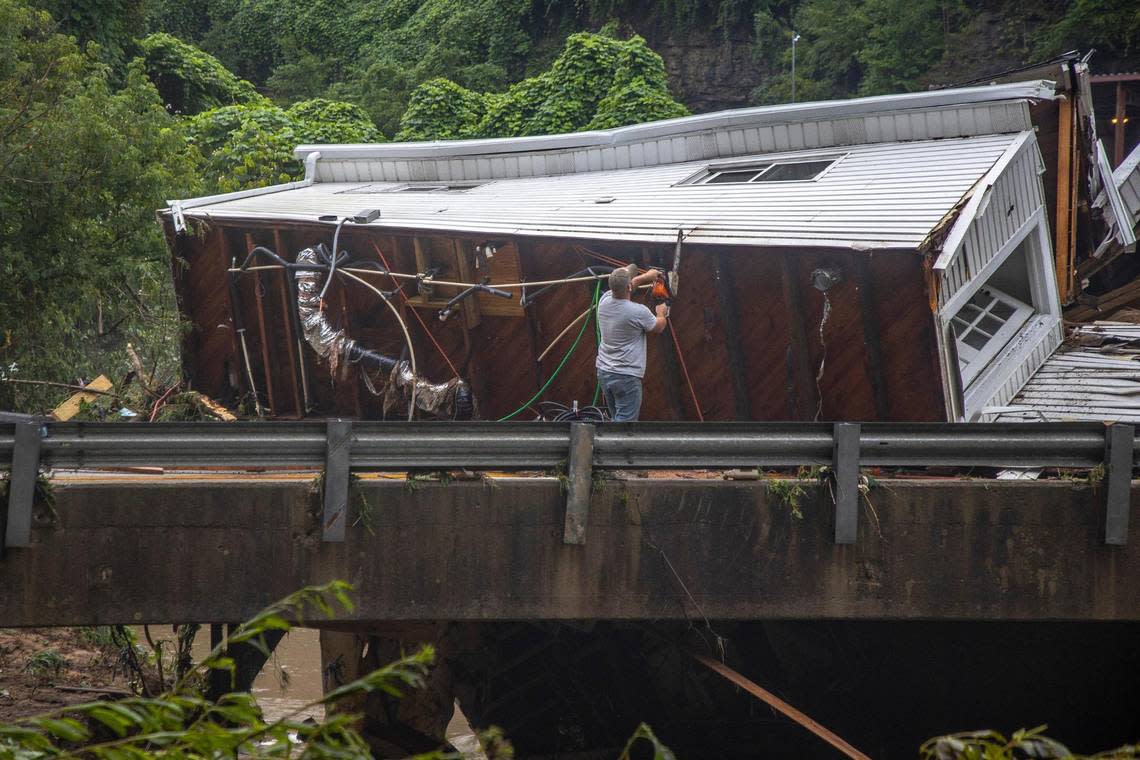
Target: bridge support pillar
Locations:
point(248, 661)
point(394, 727)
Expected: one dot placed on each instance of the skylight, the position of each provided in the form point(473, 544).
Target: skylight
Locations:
point(802, 170)
point(431, 187)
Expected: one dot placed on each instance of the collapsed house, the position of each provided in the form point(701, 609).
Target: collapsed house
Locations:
point(902, 257)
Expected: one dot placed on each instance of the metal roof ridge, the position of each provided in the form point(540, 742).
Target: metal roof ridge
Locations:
point(687, 125)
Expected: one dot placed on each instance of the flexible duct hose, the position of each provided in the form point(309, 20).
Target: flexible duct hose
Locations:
point(335, 346)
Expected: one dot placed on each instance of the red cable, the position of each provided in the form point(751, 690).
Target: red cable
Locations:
point(415, 313)
point(596, 255)
point(685, 371)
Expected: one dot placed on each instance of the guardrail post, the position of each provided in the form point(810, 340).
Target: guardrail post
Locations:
point(338, 444)
point(22, 483)
point(580, 472)
point(1119, 439)
point(845, 465)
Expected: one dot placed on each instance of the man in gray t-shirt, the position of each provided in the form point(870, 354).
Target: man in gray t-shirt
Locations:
point(621, 354)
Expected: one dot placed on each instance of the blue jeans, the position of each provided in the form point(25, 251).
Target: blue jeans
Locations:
point(622, 394)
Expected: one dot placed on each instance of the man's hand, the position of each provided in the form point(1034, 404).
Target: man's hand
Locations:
point(645, 278)
point(662, 321)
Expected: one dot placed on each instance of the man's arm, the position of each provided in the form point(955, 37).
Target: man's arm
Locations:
point(645, 278)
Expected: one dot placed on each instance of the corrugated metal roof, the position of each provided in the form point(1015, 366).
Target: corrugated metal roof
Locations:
point(1095, 375)
point(887, 195)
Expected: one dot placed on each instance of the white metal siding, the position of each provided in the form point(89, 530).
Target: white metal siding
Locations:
point(876, 196)
point(965, 120)
point(1007, 206)
point(1015, 196)
point(1127, 179)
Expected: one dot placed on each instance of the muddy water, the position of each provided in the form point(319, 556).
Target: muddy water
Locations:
point(291, 680)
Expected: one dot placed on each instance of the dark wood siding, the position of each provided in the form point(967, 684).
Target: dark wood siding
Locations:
point(877, 350)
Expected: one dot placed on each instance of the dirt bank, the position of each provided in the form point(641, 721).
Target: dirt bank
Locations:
point(43, 669)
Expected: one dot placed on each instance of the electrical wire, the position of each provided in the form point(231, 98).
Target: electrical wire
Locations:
point(561, 364)
point(407, 336)
point(685, 371)
point(332, 260)
point(565, 330)
point(415, 313)
point(553, 411)
point(445, 283)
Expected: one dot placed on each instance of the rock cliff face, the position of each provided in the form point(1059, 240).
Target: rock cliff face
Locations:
point(710, 68)
point(711, 65)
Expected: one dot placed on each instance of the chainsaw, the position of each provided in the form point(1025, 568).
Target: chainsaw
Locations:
point(661, 291)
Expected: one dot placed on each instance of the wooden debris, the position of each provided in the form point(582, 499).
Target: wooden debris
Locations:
point(69, 408)
point(211, 407)
point(1095, 307)
point(781, 706)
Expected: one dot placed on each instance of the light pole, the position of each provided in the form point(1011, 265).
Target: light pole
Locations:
point(795, 39)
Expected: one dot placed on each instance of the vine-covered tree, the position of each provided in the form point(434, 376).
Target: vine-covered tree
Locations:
point(248, 146)
point(597, 82)
point(189, 80)
point(113, 25)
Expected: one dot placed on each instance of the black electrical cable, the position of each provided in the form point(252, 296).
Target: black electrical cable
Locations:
point(528, 299)
point(552, 411)
point(332, 261)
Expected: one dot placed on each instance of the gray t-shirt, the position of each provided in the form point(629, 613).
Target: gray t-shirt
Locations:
point(623, 324)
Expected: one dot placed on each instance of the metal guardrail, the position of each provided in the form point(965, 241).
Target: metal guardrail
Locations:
point(338, 446)
point(404, 445)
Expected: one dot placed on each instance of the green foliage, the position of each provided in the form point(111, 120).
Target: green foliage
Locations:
point(904, 39)
point(82, 168)
point(320, 120)
point(113, 25)
point(787, 492)
point(181, 722)
point(642, 736)
point(101, 636)
point(1110, 26)
point(189, 80)
point(443, 110)
point(44, 662)
point(866, 47)
point(252, 145)
point(370, 52)
point(1022, 745)
point(597, 82)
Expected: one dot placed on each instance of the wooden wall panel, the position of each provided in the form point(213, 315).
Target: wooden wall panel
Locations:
point(906, 335)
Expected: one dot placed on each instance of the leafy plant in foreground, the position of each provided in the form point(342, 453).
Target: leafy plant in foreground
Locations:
point(1024, 743)
point(183, 723)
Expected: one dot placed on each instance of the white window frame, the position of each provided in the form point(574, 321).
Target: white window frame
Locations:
point(966, 398)
point(762, 165)
point(755, 169)
point(977, 359)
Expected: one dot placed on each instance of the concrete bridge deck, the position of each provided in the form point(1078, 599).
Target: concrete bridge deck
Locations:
point(202, 548)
